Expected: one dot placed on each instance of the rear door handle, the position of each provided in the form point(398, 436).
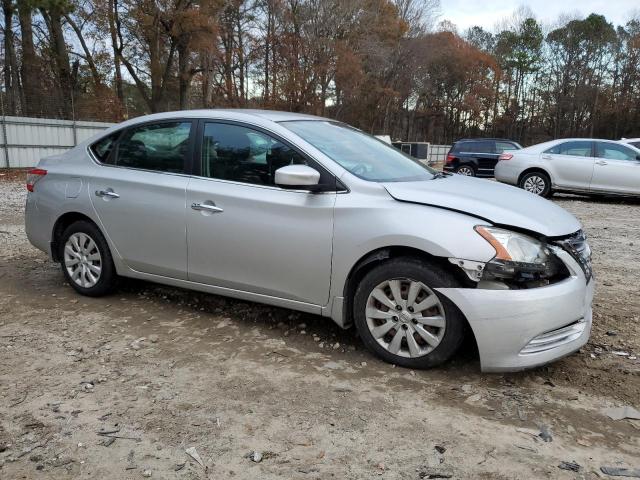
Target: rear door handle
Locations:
point(107, 193)
point(207, 207)
point(547, 157)
point(601, 162)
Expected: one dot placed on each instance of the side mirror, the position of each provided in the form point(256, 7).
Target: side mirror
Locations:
point(297, 177)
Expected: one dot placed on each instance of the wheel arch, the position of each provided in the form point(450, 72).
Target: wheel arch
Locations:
point(61, 225)
point(371, 259)
point(535, 170)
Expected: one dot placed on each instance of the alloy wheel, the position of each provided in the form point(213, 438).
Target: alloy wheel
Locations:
point(535, 184)
point(82, 260)
point(466, 171)
point(405, 317)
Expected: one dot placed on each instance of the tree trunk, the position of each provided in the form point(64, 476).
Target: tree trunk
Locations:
point(53, 18)
point(113, 29)
point(30, 64)
point(11, 76)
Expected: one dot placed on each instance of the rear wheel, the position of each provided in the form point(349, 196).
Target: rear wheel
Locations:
point(86, 260)
point(466, 170)
point(537, 183)
point(402, 319)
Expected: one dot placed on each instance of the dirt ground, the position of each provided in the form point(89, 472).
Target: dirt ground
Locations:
point(121, 387)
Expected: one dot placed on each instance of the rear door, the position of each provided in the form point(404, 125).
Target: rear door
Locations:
point(484, 154)
point(139, 196)
point(617, 169)
point(244, 232)
point(571, 163)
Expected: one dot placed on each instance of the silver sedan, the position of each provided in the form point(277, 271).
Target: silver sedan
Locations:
point(580, 165)
point(310, 214)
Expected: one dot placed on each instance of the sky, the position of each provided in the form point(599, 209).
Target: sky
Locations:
point(486, 13)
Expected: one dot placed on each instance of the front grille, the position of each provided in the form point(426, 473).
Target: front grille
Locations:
point(555, 338)
point(576, 245)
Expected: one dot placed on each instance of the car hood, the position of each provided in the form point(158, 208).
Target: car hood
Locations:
point(498, 203)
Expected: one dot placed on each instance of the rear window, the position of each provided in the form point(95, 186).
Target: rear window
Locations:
point(506, 146)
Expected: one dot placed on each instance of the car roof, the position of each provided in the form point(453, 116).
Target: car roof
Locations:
point(485, 139)
point(551, 143)
point(224, 113)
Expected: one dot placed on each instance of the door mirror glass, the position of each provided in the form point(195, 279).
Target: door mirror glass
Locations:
point(299, 177)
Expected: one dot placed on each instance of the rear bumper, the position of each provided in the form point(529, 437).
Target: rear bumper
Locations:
point(506, 171)
point(519, 329)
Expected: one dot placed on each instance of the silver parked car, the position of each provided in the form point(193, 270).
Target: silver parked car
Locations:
point(580, 165)
point(310, 214)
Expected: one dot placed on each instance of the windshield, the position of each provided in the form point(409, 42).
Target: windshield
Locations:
point(361, 154)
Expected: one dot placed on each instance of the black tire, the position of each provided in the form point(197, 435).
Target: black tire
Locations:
point(465, 167)
point(541, 179)
point(431, 276)
point(107, 277)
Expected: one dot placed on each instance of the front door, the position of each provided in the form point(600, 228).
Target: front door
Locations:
point(571, 163)
point(243, 232)
point(139, 197)
point(617, 169)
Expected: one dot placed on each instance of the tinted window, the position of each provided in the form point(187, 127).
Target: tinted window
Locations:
point(158, 146)
point(578, 148)
point(241, 154)
point(475, 147)
point(615, 152)
point(361, 154)
point(506, 146)
point(635, 144)
point(103, 148)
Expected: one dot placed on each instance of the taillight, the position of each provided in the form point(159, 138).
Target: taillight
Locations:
point(505, 156)
point(450, 157)
point(33, 176)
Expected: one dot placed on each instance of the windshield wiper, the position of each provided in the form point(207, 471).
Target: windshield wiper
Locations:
point(440, 175)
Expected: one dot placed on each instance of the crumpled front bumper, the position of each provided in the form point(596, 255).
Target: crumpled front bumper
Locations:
point(519, 329)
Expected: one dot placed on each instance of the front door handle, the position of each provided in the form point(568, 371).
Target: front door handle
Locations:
point(107, 193)
point(206, 207)
point(601, 162)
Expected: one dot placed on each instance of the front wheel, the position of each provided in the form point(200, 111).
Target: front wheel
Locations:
point(86, 260)
point(537, 183)
point(402, 319)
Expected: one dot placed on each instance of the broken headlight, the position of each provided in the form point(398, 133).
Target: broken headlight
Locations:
point(519, 258)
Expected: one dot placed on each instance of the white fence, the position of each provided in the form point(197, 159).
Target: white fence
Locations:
point(24, 141)
point(437, 153)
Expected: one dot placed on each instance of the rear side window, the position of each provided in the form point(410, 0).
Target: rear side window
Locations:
point(103, 147)
point(474, 147)
point(612, 151)
point(578, 148)
point(157, 146)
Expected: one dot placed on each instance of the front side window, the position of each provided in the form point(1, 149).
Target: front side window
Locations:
point(635, 144)
point(612, 151)
point(578, 148)
point(361, 154)
point(241, 154)
point(158, 146)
